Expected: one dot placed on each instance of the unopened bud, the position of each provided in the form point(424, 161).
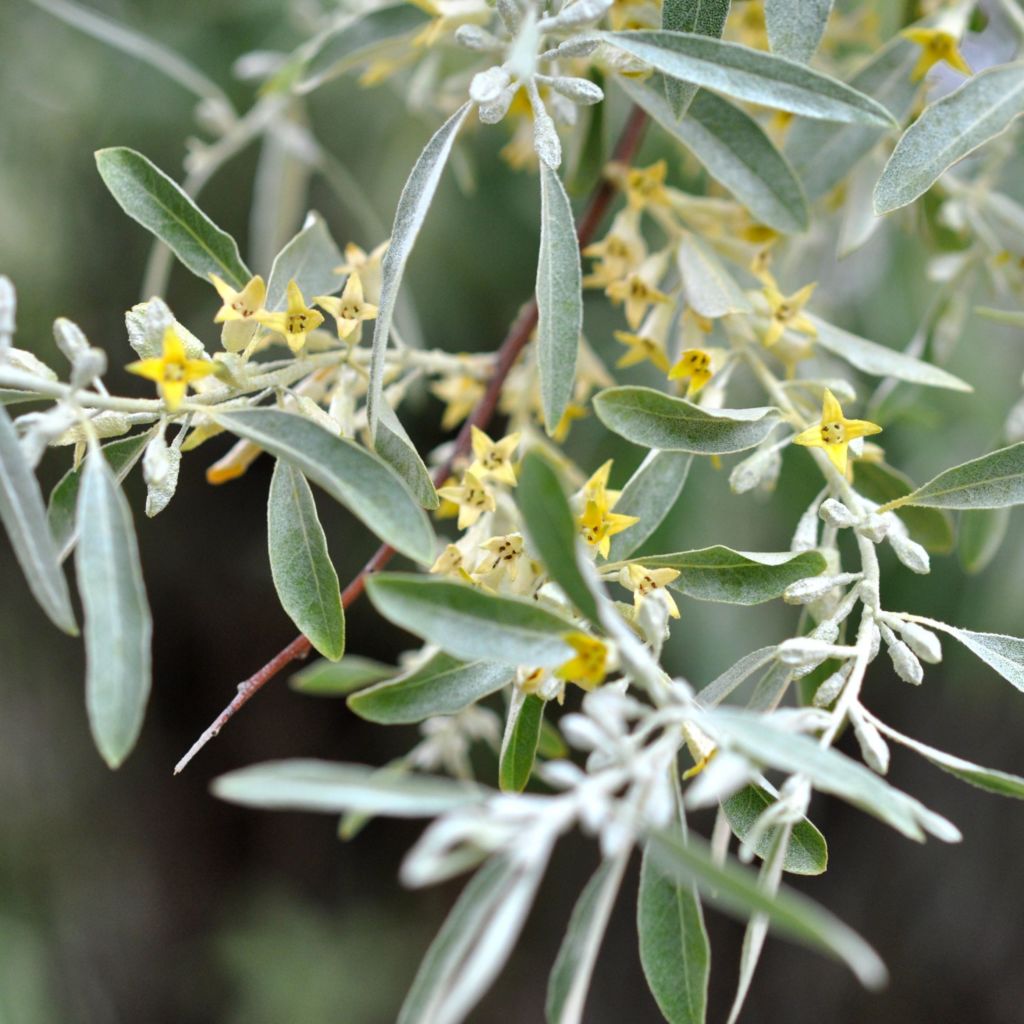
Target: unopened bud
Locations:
point(835, 513)
point(874, 528)
point(806, 536)
point(488, 85)
point(583, 12)
point(910, 553)
point(579, 90)
point(831, 688)
point(813, 588)
point(923, 642)
point(873, 748)
point(757, 470)
point(905, 662)
point(802, 651)
point(473, 37)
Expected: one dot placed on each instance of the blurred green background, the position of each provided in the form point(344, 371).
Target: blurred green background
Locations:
point(137, 897)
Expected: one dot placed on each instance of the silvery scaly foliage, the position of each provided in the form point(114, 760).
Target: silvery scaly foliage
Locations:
point(539, 591)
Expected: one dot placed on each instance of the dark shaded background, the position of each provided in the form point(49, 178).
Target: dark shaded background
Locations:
point(135, 896)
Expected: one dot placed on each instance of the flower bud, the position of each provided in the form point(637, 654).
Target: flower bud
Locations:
point(873, 748)
point(757, 470)
point(910, 553)
point(488, 85)
point(923, 642)
point(831, 687)
point(835, 513)
point(806, 536)
point(905, 662)
point(801, 651)
point(874, 528)
point(473, 37)
point(813, 588)
point(583, 12)
point(579, 90)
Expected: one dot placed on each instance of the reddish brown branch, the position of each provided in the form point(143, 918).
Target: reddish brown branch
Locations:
point(515, 340)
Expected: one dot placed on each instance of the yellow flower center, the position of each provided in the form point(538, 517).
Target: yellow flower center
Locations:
point(295, 323)
point(174, 371)
point(833, 433)
point(241, 309)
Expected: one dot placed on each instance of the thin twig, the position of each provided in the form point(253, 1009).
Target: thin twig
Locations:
point(515, 340)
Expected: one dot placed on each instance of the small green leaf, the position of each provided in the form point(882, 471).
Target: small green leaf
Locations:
point(795, 27)
point(470, 624)
point(309, 260)
point(737, 577)
point(307, 785)
point(653, 419)
point(551, 746)
point(559, 298)
point(304, 576)
point(24, 518)
point(880, 482)
point(159, 204)
point(338, 678)
point(650, 494)
point(737, 890)
point(705, 17)
point(118, 626)
point(442, 685)
point(519, 750)
point(413, 204)
point(955, 125)
point(807, 852)
point(674, 948)
point(980, 536)
point(358, 479)
point(745, 74)
point(995, 480)
point(735, 151)
point(552, 530)
point(396, 448)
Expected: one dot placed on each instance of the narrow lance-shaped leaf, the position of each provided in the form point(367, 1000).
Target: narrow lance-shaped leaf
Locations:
point(367, 487)
point(737, 577)
point(746, 74)
point(413, 204)
point(309, 260)
point(442, 685)
point(396, 448)
point(24, 518)
point(653, 419)
point(552, 530)
point(705, 17)
point(736, 890)
point(304, 577)
point(470, 624)
point(650, 494)
point(982, 108)
point(734, 150)
point(674, 948)
point(708, 287)
point(795, 27)
point(559, 298)
point(339, 678)
point(118, 626)
point(160, 205)
point(995, 480)
point(1003, 653)
point(522, 733)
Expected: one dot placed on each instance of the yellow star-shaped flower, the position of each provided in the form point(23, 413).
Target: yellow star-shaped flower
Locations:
point(471, 496)
point(644, 581)
point(694, 365)
point(835, 432)
point(460, 395)
point(641, 348)
point(366, 265)
point(493, 459)
point(645, 186)
point(936, 45)
point(243, 305)
point(598, 525)
point(637, 294)
point(350, 310)
point(504, 555)
point(172, 371)
point(787, 312)
point(295, 322)
point(590, 665)
point(620, 251)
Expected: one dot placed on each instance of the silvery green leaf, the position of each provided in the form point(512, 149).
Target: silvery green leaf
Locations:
point(442, 685)
point(118, 627)
point(737, 891)
point(705, 17)
point(160, 205)
point(674, 948)
point(519, 749)
point(650, 494)
point(474, 942)
point(806, 851)
point(160, 491)
point(737, 577)
point(546, 143)
point(653, 419)
point(980, 536)
point(24, 518)
point(574, 965)
point(858, 221)
point(721, 686)
point(559, 298)
point(576, 15)
point(1002, 783)
point(352, 39)
point(955, 125)
point(829, 771)
point(880, 483)
point(413, 204)
point(552, 529)
point(708, 287)
point(470, 624)
point(823, 154)
point(304, 576)
point(60, 513)
point(8, 309)
point(339, 678)
point(880, 361)
point(795, 27)
point(995, 480)
point(308, 785)
point(308, 259)
point(146, 323)
point(396, 448)
point(1003, 653)
point(745, 74)
point(358, 479)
